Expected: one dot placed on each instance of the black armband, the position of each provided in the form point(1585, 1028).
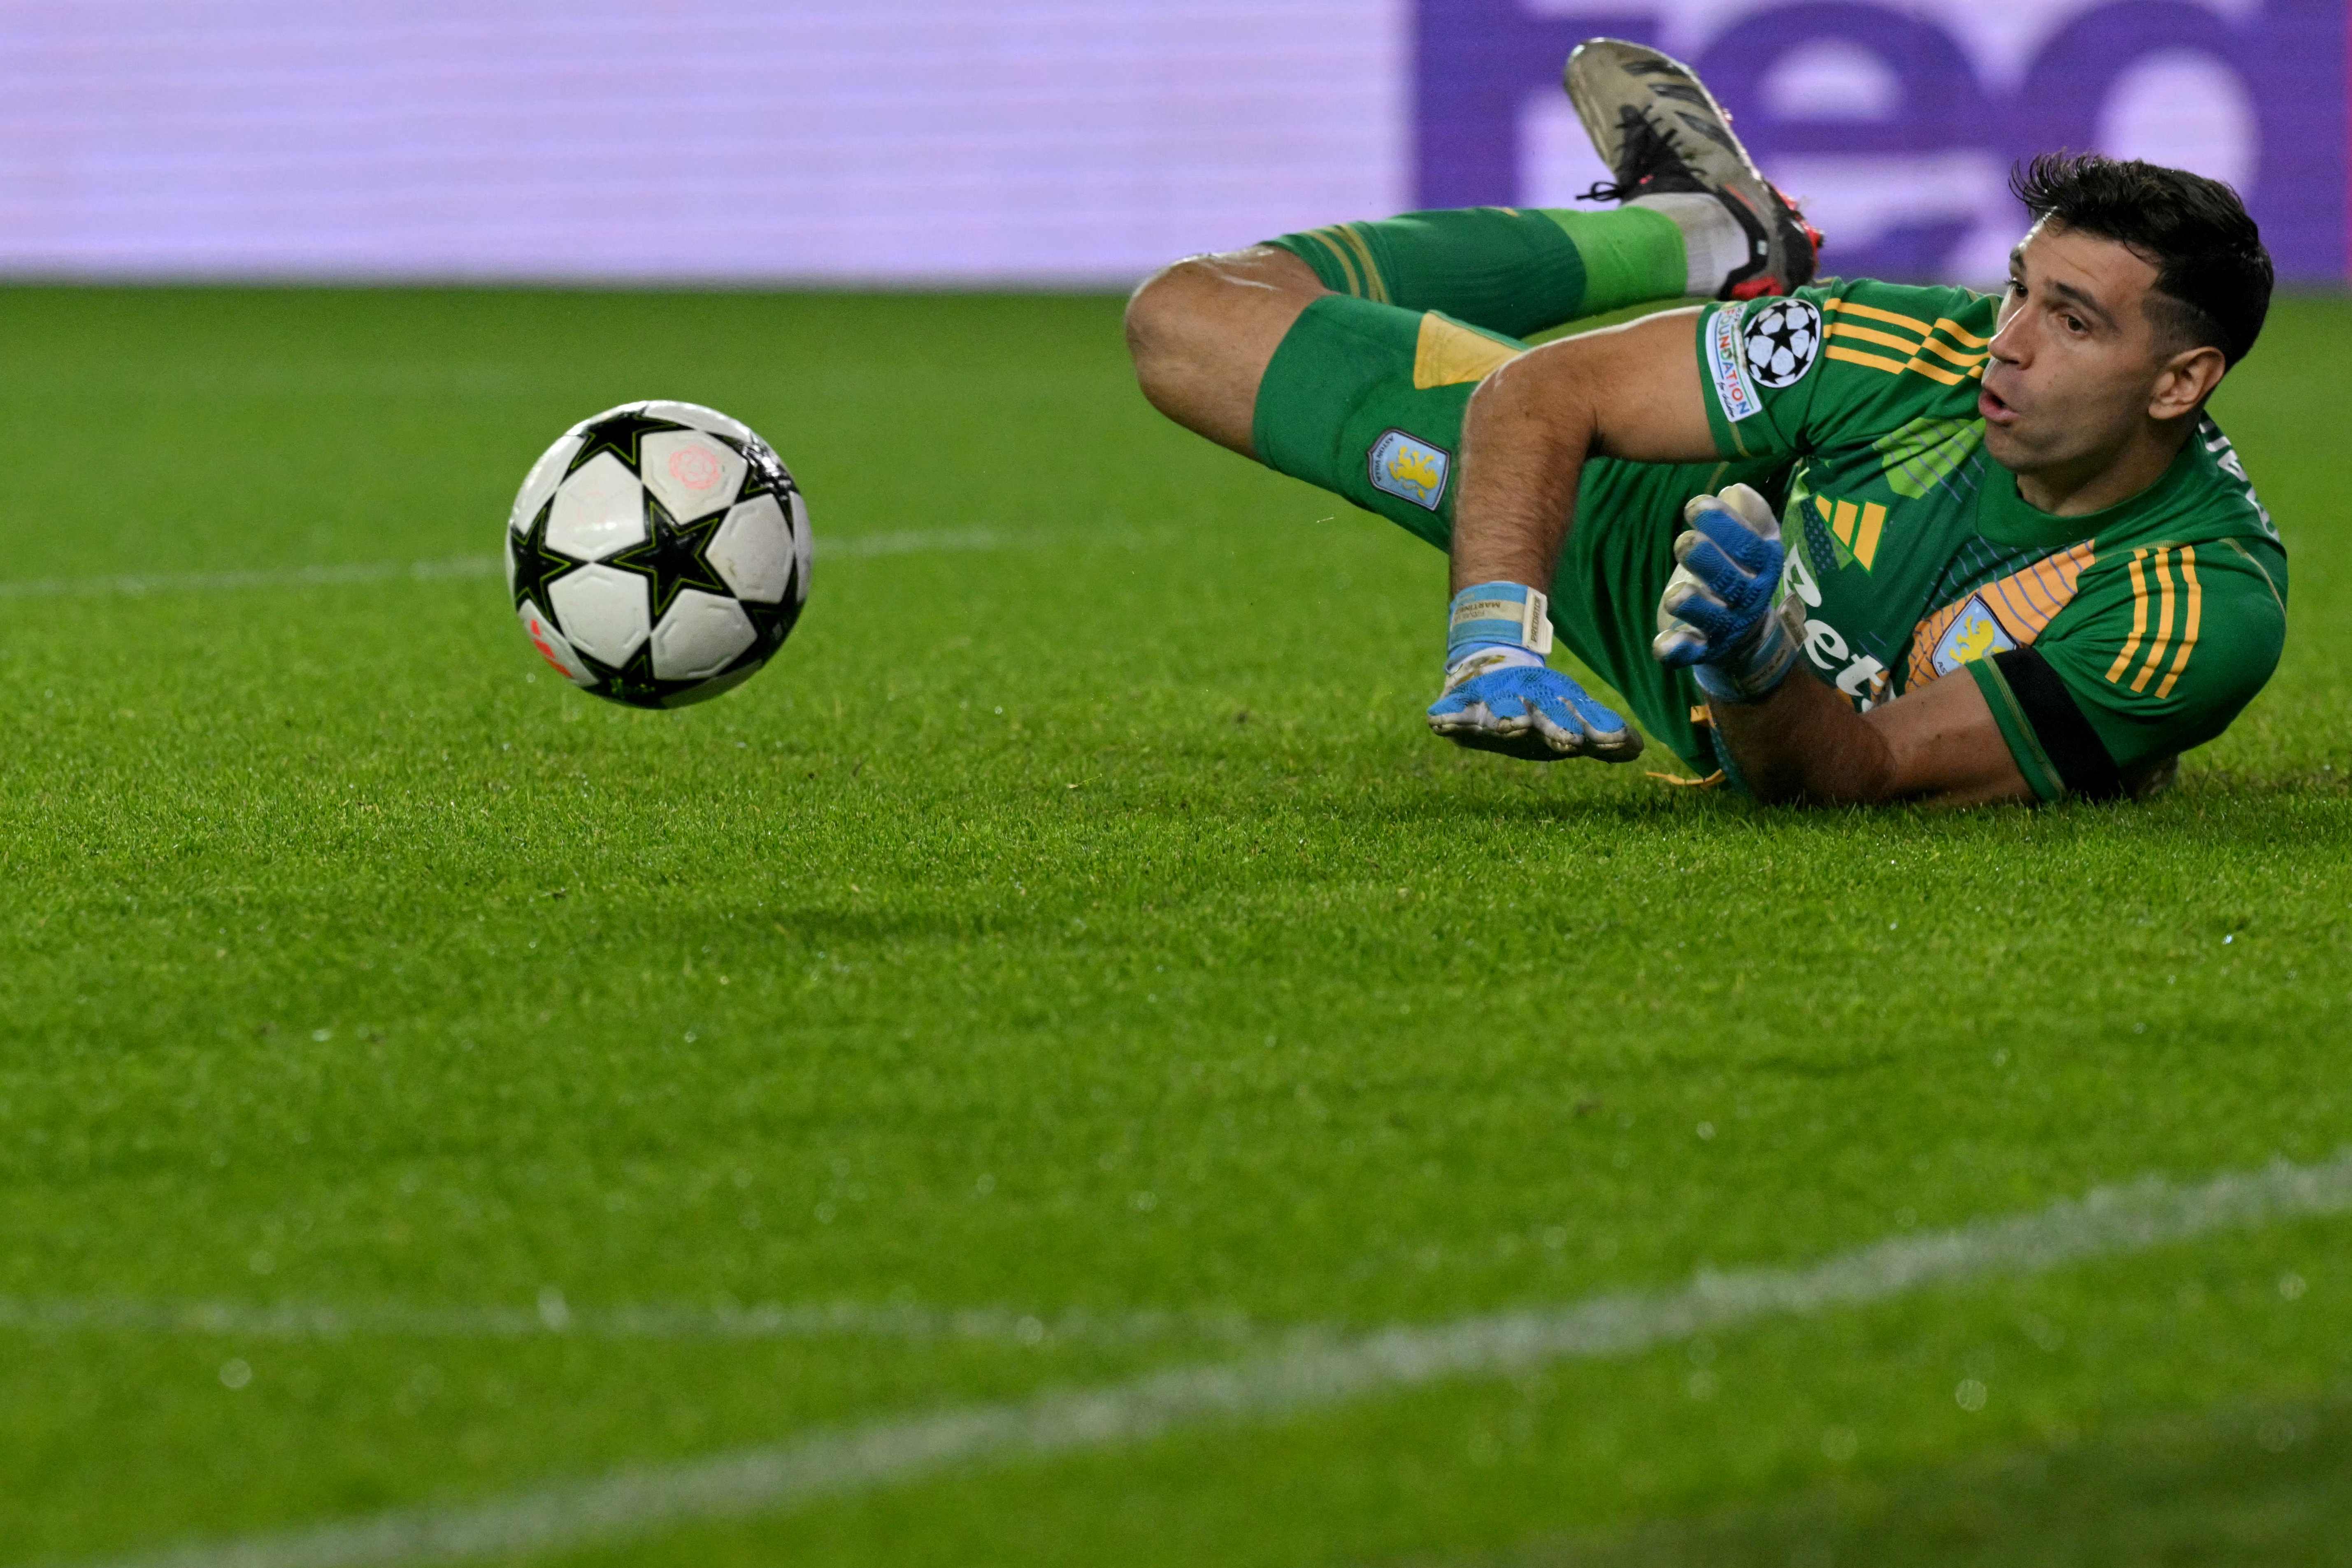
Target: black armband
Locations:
point(2074, 750)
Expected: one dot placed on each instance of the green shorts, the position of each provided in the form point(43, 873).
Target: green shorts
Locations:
point(1337, 410)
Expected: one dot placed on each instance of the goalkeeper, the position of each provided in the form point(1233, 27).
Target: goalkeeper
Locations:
point(1850, 542)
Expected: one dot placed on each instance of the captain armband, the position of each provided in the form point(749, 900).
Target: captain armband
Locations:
point(2076, 758)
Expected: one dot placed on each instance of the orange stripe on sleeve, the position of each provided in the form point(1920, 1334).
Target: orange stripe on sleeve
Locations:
point(1959, 334)
point(2163, 620)
point(1871, 335)
point(2139, 619)
point(1856, 356)
point(1963, 360)
point(1934, 372)
point(2188, 628)
point(1873, 313)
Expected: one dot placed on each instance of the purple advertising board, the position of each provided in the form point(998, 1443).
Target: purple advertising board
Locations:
point(1070, 142)
point(1933, 89)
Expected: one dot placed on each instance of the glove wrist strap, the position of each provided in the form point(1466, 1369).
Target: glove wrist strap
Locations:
point(1492, 614)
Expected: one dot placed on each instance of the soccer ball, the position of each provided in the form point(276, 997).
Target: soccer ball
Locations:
point(1781, 340)
point(658, 554)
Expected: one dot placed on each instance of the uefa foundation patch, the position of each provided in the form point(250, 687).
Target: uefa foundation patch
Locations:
point(1410, 469)
point(1728, 370)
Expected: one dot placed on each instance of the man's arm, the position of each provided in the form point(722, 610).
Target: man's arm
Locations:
point(1792, 737)
point(1636, 392)
point(1631, 391)
point(1805, 742)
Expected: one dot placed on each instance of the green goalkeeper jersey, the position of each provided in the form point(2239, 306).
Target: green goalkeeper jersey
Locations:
point(2106, 644)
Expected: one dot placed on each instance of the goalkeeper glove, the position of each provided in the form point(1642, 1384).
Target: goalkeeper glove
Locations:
point(1499, 696)
point(1716, 613)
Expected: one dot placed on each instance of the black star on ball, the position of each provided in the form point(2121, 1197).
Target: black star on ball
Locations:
point(674, 556)
point(535, 565)
point(623, 435)
point(765, 474)
point(634, 682)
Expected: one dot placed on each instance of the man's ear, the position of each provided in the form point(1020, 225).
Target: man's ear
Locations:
point(2186, 380)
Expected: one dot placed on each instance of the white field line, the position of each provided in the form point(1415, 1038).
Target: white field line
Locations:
point(1309, 1372)
point(903, 542)
point(552, 1315)
point(219, 582)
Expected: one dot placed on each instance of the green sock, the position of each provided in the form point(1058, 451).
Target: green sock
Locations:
point(1503, 269)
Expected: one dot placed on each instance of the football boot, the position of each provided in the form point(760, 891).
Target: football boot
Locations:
point(1662, 133)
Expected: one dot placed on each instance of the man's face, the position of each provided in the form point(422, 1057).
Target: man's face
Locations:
point(2075, 359)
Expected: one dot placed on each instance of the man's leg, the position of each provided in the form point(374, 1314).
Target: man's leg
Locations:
point(1346, 356)
point(1519, 271)
point(1696, 218)
point(1203, 331)
point(1367, 401)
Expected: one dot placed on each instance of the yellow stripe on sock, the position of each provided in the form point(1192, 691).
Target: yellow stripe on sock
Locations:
point(1378, 285)
point(1328, 238)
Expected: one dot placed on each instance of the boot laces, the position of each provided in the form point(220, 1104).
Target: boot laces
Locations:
point(1648, 153)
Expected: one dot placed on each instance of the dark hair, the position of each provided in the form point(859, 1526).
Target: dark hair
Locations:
point(2212, 275)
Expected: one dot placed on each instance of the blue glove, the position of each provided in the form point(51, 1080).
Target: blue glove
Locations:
point(1716, 613)
point(1499, 695)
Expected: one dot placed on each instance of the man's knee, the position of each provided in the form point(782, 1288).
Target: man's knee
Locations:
point(1201, 332)
point(1163, 312)
point(1204, 305)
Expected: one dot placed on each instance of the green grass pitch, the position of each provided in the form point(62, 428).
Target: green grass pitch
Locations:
point(1071, 960)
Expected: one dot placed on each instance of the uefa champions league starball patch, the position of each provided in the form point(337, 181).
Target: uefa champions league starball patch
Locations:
point(1780, 341)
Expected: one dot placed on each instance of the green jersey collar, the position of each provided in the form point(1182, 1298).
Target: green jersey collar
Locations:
point(2007, 517)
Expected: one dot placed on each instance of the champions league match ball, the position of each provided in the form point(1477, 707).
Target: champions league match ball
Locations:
point(658, 554)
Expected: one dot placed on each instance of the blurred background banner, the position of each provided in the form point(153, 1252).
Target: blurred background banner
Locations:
point(1897, 124)
point(960, 145)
